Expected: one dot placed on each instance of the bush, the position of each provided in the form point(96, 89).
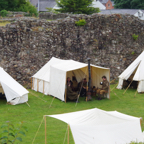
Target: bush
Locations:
point(28, 7)
point(135, 37)
point(52, 10)
point(81, 22)
point(3, 13)
point(10, 134)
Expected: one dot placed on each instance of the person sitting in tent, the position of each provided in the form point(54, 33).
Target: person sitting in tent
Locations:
point(104, 89)
point(83, 87)
point(69, 81)
point(70, 94)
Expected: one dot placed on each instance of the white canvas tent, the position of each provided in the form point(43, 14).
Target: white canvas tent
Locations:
point(14, 92)
point(95, 126)
point(137, 69)
point(51, 78)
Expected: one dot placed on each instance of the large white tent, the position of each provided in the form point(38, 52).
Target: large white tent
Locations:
point(51, 78)
point(137, 69)
point(14, 92)
point(95, 126)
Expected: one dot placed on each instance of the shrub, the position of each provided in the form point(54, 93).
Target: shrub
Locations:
point(52, 10)
point(3, 13)
point(135, 37)
point(10, 134)
point(28, 7)
point(81, 22)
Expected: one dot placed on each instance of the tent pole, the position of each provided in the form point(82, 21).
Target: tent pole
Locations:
point(127, 87)
point(43, 87)
point(66, 88)
point(109, 84)
point(68, 133)
point(37, 85)
point(136, 90)
point(135, 93)
point(45, 131)
point(31, 83)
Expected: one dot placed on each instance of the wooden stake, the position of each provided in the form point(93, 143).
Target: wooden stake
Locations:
point(33, 82)
point(68, 133)
point(45, 131)
point(127, 87)
point(27, 104)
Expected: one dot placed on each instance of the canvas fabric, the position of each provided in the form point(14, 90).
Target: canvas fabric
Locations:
point(96, 126)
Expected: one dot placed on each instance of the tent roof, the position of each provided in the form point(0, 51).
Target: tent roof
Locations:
point(94, 117)
point(63, 65)
point(102, 127)
point(11, 85)
point(137, 63)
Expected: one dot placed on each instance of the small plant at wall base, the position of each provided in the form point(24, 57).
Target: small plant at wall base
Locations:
point(81, 22)
point(135, 37)
point(133, 53)
point(3, 13)
point(11, 134)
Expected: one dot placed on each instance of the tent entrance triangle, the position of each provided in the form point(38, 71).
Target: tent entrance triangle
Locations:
point(130, 82)
point(2, 93)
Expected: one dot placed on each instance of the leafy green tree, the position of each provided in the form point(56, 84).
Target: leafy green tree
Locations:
point(129, 4)
point(76, 6)
point(18, 5)
point(3, 4)
point(137, 4)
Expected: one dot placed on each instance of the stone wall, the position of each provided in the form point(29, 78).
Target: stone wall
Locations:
point(52, 16)
point(27, 44)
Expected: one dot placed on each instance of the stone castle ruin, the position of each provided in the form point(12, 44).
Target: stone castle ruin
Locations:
point(27, 44)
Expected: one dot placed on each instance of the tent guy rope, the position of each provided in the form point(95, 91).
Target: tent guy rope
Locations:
point(36, 96)
point(38, 130)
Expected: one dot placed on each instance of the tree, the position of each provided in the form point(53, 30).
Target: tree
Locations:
point(18, 5)
point(129, 4)
point(3, 4)
point(76, 6)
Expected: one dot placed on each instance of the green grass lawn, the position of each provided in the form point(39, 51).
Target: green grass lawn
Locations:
point(32, 116)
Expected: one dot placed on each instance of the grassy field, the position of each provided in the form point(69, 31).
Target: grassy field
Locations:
point(32, 116)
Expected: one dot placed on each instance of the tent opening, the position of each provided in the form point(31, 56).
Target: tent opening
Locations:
point(133, 84)
point(2, 94)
